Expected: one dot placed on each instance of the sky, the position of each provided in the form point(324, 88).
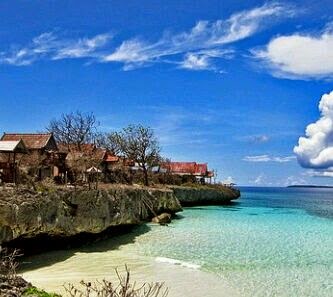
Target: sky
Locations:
point(242, 85)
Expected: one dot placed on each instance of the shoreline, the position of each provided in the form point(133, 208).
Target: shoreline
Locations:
point(63, 216)
point(64, 219)
point(181, 278)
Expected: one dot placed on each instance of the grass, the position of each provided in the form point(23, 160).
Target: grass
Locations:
point(34, 292)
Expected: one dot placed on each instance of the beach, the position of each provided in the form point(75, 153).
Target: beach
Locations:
point(272, 243)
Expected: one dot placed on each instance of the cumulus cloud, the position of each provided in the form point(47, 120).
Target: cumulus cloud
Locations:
point(315, 150)
point(50, 46)
point(300, 56)
point(195, 49)
point(268, 158)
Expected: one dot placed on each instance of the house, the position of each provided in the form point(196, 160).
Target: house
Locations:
point(9, 152)
point(199, 170)
point(41, 159)
point(79, 159)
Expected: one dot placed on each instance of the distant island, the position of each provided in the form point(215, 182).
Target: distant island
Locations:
point(309, 186)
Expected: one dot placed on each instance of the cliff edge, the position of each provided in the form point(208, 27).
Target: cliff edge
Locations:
point(67, 213)
point(205, 194)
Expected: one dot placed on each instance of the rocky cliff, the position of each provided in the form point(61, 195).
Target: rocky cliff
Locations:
point(205, 195)
point(67, 213)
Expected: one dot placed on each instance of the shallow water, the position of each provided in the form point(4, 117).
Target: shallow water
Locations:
point(273, 242)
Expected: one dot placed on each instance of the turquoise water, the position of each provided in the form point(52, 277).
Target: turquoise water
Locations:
point(273, 242)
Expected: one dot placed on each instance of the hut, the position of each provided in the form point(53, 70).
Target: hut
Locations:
point(41, 159)
point(8, 159)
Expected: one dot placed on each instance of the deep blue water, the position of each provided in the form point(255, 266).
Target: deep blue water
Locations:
point(315, 201)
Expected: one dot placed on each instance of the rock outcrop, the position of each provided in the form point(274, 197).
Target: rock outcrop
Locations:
point(64, 213)
point(67, 213)
point(13, 286)
point(205, 195)
point(163, 219)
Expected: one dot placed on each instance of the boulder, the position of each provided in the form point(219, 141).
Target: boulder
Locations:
point(164, 218)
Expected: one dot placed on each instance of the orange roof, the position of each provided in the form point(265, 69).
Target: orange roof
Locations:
point(31, 140)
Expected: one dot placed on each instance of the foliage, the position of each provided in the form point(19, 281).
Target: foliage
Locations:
point(35, 292)
point(173, 179)
point(124, 288)
point(46, 185)
point(139, 144)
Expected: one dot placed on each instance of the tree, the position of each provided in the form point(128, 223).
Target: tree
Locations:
point(108, 141)
point(74, 128)
point(139, 144)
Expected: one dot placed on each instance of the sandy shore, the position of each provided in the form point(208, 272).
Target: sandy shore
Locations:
point(182, 279)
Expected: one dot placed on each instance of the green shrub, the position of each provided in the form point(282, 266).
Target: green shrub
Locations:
point(34, 292)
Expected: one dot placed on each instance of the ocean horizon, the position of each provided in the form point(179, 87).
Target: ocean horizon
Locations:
point(271, 242)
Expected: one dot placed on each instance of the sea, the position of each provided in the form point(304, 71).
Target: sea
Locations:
point(270, 242)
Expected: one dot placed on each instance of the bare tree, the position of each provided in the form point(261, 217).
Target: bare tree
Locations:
point(108, 141)
point(123, 288)
point(139, 144)
point(74, 128)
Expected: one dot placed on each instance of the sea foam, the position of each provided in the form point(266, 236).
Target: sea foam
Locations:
point(177, 262)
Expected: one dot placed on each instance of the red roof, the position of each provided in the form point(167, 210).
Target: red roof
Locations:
point(31, 140)
point(190, 168)
point(201, 168)
point(181, 167)
point(110, 157)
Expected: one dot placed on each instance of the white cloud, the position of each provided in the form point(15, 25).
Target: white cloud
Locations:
point(267, 158)
point(50, 46)
point(203, 60)
point(205, 35)
point(259, 179)
point(81, 48)
point(256, 138)
point(300, 56)
point(195, 49)
point(294, 180)
point(315, 150)
point(320, 173)
point(228, 180)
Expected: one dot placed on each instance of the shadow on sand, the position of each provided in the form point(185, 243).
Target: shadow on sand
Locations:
point(55, 249)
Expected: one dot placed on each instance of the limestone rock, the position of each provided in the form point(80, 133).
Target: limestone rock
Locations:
point(205, 195)
point(164, 218)
point(67, 213)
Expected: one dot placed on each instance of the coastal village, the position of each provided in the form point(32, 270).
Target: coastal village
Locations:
point(40, 156)
point(55, 194)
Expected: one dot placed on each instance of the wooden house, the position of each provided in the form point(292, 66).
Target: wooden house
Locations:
point(9, 152)
point(42, 159)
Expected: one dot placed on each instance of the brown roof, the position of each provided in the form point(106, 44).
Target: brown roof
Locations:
point(86, 149)
point(31, 140)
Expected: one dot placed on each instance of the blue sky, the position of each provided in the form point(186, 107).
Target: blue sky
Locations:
point(231, 83)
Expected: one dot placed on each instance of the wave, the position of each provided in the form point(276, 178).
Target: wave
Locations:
point(177, 262)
